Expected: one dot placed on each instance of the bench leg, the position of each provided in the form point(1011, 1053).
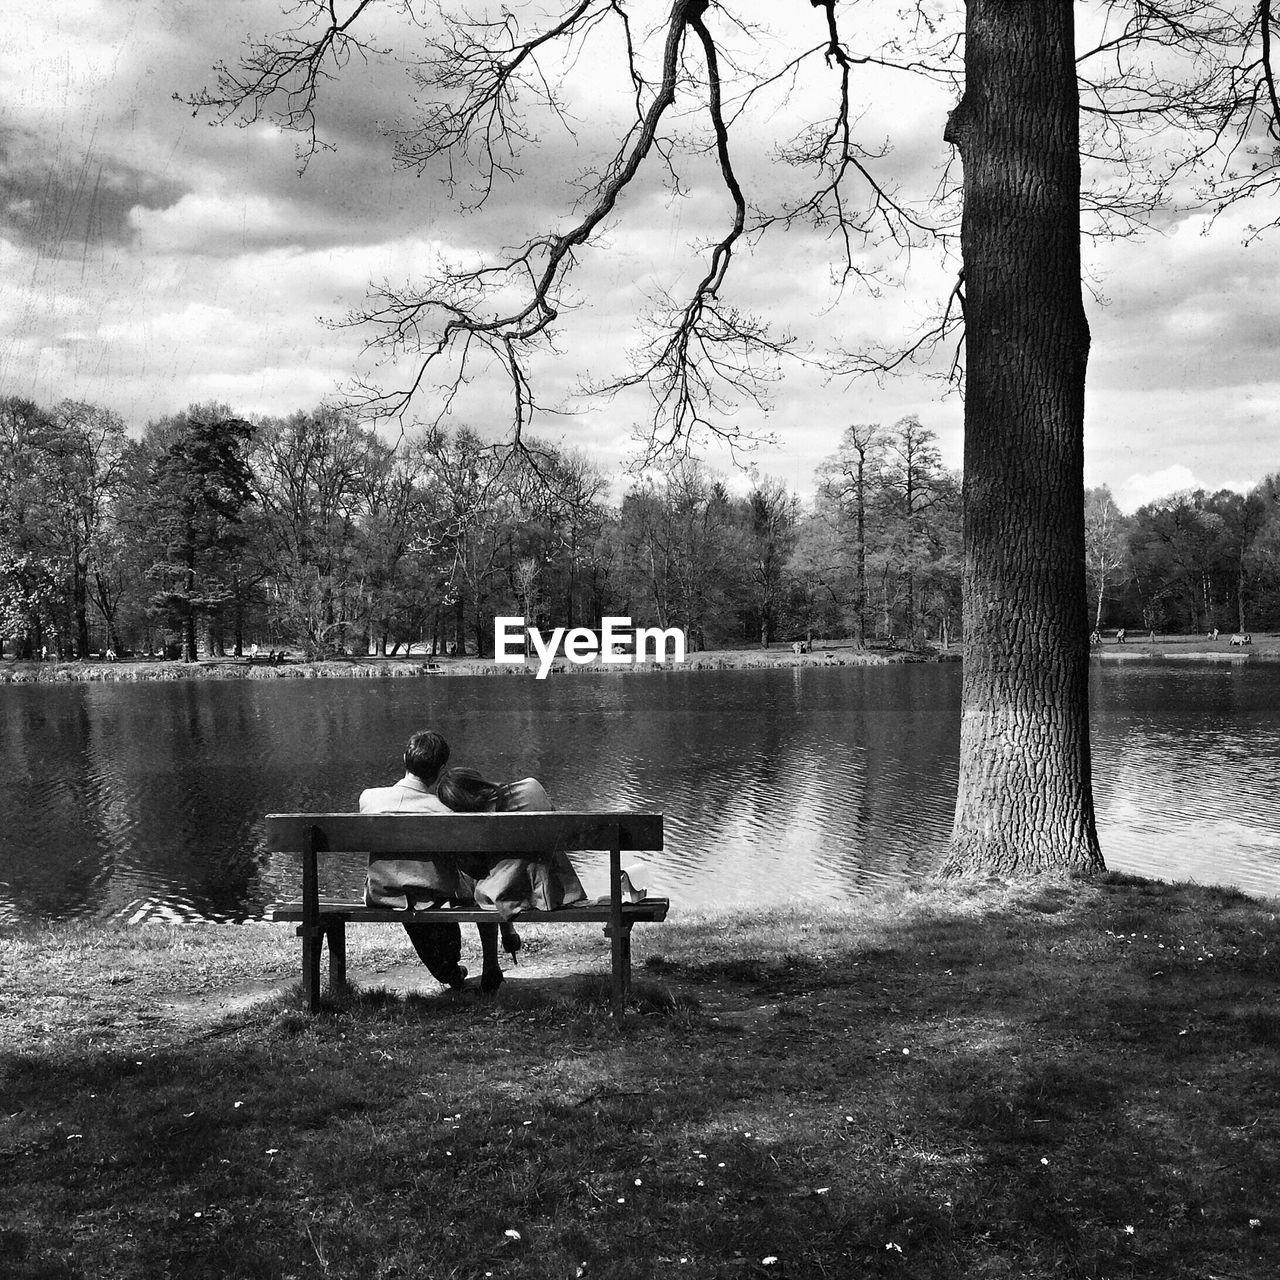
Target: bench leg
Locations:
point(312, 942)
point(336, 932)
point(621, 975)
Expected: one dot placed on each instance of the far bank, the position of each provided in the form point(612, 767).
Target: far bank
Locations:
point(838, 653)
point(1169, 648)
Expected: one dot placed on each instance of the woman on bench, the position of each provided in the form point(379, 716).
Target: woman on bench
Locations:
point(509, 884)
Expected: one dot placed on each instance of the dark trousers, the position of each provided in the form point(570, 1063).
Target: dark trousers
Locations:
point(439, 947)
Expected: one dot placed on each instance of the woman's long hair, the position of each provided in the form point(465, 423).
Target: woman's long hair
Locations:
point(466, 791)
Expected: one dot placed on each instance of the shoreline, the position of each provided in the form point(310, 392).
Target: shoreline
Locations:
point(842, 653)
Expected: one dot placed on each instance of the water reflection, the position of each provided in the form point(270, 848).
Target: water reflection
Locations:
point(1184, 772)
point(136, 801)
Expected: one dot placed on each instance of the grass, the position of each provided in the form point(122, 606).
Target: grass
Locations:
point(1073, 1080)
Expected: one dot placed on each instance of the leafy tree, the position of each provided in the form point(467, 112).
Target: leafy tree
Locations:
point(198, 486)
point(475, 531)
point(1172, 544)
point(399, 504)
point(26, 477)
point(1242, 519)
point(846, 486)
point(683, 541)
point(770, 526)
point(89, 444)
point(1105, 546)
point(562, 518)
point(59, 470)
point(312, 475)
point(1264, 552)
point(912, 486)
point(819, 569)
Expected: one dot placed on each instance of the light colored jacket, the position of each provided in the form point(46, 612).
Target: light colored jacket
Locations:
point(400, 883)
point(543, 880)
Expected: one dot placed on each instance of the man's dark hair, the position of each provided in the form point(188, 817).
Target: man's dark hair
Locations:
point(426, 754)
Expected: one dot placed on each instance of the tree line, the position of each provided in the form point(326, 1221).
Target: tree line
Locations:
point(1186, 563)
point(211, 532)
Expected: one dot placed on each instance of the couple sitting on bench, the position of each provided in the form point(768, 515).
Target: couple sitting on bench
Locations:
point(502, 884)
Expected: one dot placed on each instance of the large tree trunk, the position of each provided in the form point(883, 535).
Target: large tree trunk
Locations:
point(1025, 800)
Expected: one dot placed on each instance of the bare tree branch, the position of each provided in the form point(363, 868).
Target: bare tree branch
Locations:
point(281, 77)
point(1198, 72)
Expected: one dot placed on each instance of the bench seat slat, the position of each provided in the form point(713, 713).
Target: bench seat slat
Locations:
point(404, 833)
point(647, 909)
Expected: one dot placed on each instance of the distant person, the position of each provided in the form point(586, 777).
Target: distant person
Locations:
point(1095, 637)
point(253, 652)
point(1120, 636)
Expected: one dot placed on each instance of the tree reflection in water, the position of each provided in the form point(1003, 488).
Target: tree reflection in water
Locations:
point(131, 801)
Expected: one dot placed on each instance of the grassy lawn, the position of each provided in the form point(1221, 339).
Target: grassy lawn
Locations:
point(1074, 1080)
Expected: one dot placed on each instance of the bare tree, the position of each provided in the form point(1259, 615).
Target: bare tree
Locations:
point(1105, 545)
point(1025, 801)
point(847, 478)
point(771, 518)
point(912, 484)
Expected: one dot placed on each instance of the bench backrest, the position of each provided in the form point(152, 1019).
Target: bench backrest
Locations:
point(417, 833)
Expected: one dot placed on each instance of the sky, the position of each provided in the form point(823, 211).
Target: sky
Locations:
point(150, 259)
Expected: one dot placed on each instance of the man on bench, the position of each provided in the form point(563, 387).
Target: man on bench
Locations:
point(404, 883)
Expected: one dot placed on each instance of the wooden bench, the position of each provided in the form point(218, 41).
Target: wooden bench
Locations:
point(409, 834)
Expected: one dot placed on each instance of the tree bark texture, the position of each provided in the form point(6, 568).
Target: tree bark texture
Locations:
point(1025, 800)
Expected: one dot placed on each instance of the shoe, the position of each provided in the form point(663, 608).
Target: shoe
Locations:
point(511, 941)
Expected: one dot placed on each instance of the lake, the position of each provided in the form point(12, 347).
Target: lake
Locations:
point(142, 801)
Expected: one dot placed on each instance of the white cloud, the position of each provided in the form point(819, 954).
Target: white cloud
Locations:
point(1138, 490)
point(208, 222)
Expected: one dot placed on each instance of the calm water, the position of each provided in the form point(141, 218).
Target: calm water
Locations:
point(137, 801)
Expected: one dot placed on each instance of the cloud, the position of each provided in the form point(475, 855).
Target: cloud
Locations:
point(208, 223)
point(60, 201)
point(1138, 490)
